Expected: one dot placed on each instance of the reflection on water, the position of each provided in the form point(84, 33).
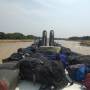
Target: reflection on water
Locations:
point(75, 46)
point(6, 49)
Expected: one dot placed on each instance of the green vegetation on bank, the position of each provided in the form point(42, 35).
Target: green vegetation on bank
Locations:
point(16, 36)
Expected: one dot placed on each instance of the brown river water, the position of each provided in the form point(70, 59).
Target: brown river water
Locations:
point(75, 46)
point(6, 49)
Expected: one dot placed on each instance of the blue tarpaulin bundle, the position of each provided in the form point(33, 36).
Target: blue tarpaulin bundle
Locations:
point(51, 56)
point(78, 72)
point(64, 60)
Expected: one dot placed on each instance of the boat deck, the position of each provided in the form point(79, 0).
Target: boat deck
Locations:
point(25, 85)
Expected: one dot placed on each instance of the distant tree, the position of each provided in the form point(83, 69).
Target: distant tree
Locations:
point(2, 35)
point(30, 37)
point(80, 38)
point(16, 36)
point(85, 38)
point(74, 38)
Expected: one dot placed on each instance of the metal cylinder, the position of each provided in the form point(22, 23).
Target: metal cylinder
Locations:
point(51, 38)
point(44, 38)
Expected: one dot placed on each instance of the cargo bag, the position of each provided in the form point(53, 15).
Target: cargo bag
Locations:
point(27, 50)
point(64, 59)
point(10, 65)
point(77, 72)
point(85, 59)
point(88, 68)
point(73, 58)
point(8, 79)
point(50, 55)
point(65, 50)
point(30, 66)
point(50, 52)
point(43, 71)
point(13, 57)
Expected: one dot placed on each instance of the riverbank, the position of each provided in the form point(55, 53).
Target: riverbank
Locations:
point(11, 41)
point(82, 42)
point(85, 43)
point(75, 46)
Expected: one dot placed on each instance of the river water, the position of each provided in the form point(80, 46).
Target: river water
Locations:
point(75, 46)
point(6, 49)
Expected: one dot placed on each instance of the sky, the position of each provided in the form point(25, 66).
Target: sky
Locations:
point(66, 17)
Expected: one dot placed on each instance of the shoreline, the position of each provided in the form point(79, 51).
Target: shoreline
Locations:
point(12, 41)
point(85, 43)
point(82, 42)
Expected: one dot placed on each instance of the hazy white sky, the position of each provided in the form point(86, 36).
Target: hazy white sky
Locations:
point(67, 17)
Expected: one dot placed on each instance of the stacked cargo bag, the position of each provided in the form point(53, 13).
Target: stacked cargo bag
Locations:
point(39, 56)
point(8, 79)
point(65, 50)
point(15, 56)
point(86, 82)
point(31, 49)
point(50, 52)
point(10, 65)
point(59, 77)
point(54, 78)
point(63, 58)
point(43, 71)
point(31, 66)
point(85, 59)
point(77, 72)
point(27, 50)
point(25, 70)
point(73, 58)
point(52, 56)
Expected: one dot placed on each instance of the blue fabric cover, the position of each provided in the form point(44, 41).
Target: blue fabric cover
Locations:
point(64, 60)
point(79, 74)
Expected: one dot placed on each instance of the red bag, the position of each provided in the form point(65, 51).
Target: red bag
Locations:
point(86, 82)
point(3, 85)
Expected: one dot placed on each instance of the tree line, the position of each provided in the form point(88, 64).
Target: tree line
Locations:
point(16, 36)
point(80, 38)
